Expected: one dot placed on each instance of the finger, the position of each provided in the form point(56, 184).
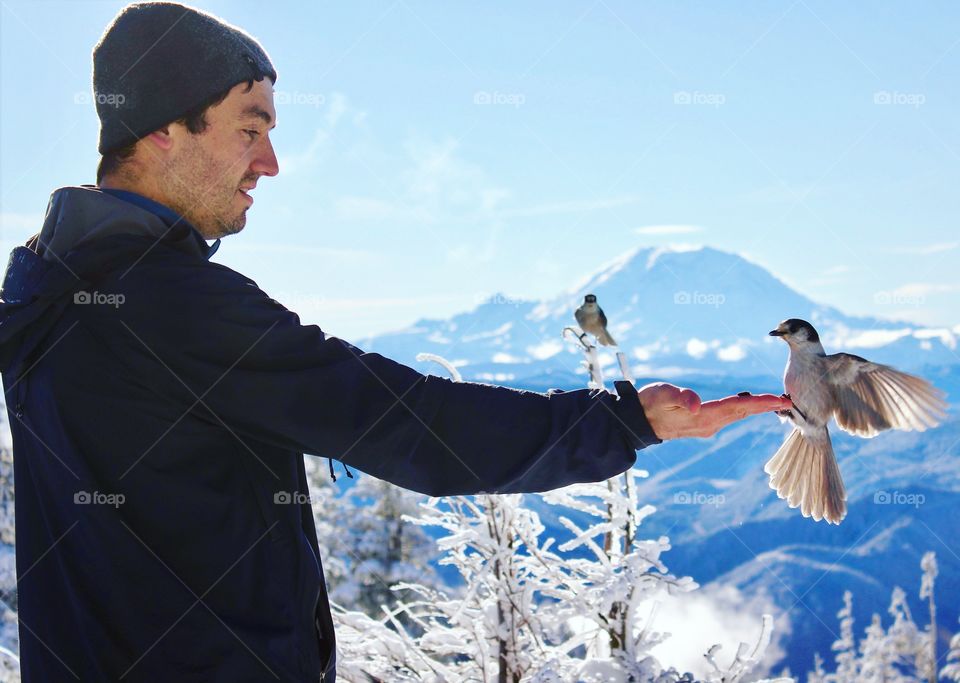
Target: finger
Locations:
point(732, 408)
point(759, 403)
point(669, 396)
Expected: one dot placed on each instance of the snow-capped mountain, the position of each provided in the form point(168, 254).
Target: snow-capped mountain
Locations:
point(674, 312)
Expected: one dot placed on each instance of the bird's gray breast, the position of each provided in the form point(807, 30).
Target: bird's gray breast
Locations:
point(806, 381)
point(587, 315)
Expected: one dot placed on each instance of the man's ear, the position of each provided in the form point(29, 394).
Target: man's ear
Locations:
point(161, 138)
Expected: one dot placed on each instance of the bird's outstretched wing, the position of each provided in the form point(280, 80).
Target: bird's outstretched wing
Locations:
point(870, 397)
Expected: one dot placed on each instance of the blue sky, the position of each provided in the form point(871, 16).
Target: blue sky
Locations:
point(433, 153)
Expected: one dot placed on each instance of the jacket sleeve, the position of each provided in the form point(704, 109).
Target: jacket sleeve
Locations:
point(211, 340)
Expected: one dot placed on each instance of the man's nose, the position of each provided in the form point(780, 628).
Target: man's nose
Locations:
point(265, 163)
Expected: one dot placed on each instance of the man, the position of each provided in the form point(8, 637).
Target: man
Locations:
point(161, 403)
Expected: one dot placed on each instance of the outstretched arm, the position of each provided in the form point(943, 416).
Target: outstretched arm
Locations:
point(243, 362)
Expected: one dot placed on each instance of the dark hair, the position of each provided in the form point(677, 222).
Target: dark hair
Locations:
point(195, 120)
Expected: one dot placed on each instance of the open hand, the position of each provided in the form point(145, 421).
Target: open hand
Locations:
point(675, 412)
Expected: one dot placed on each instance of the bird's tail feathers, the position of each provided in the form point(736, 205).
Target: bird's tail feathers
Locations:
point(804, 471)
point(605, 339)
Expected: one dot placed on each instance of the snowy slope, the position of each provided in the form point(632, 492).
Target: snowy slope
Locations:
point(804, 568)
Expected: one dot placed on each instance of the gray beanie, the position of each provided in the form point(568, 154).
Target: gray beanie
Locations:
point(158, 60)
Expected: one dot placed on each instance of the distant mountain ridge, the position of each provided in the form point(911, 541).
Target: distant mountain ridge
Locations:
point(675, 312)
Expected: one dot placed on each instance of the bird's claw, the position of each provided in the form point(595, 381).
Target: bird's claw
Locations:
point(788, 412)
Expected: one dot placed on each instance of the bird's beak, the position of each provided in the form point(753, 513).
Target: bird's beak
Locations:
point(776, 333)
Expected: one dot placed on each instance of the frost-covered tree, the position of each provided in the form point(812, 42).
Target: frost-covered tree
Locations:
point(622, 571)
point(371, 649)
point(818, 675)
point(876, 655)
point(494, 629)
point(526, 611)
point(382, 548)
point(330, 514)
point(365, 543)
point(927, 659)
point(9, 636)
point(907, 646)
point(951, 671)
point(745, 660)
point(902, 652)
point(513, 621)
point(845, 647)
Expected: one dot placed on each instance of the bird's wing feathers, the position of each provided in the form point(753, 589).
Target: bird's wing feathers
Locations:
point(870, 397)
point(603, 317)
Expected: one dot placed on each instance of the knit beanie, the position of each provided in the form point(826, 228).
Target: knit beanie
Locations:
point(159, 60)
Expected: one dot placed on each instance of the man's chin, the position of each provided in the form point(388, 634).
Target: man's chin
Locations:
point(227, 228)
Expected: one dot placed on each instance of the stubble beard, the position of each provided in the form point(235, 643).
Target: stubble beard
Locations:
point(205, 195)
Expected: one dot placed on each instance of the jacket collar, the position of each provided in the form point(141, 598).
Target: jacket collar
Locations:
point(79, 214)
point(166, 214)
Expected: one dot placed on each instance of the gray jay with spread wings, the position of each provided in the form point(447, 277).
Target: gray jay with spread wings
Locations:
point(865, 398)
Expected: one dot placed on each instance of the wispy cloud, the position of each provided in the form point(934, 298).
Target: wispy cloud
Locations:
point(780, 193)
point(831, 276)
point(337, 109)
point(573, 206)
point(350, 256)
point(923, 249)
point(305, 301)
point(435, 185)
point(668, 229)
point(915, 289)
point(438, 184)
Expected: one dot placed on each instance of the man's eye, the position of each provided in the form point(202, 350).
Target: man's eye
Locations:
point(252, 133)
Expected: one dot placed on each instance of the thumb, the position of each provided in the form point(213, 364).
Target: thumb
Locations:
point(690, 400)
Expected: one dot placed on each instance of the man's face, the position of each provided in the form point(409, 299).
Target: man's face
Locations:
point(209, 174)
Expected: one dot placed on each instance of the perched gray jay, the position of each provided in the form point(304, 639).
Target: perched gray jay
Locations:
point(865, 398)
point(590, 318)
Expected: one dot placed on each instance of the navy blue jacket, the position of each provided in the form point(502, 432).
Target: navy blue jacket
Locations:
point(160, 406)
